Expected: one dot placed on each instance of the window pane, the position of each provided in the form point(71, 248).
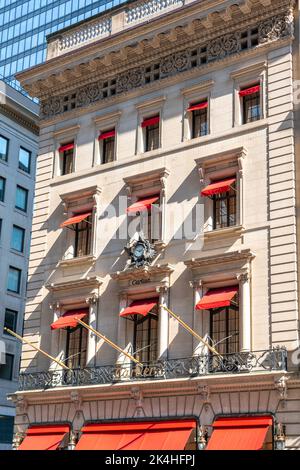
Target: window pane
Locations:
point(14, 279)
point(76, 348)
point(6, 370)
point(2, 189)
point(11, 319)
point(17, 240)
point(24, 160)
point(21, 198)
point(152, 137)
point(67, 162)
point(83, 234)
point(251, 107)
point(199, 127)
point(108, 149)
point(3, 148)
point(6, 429)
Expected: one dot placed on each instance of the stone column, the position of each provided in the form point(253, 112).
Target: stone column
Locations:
point(163, 325)
point(93, 303)
point(245, 311)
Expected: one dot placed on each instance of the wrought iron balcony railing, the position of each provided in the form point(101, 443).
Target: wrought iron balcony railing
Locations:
point(243, 362)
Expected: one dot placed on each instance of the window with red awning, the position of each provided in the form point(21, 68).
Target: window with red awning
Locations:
point(107, 134)
point(214, 298)
point(69, 319)
point(150, 121)
point(140, 307)
point(143, 204)
point(240, 433)
point(249, 90)
point(75, 219)
point(44, 437)
point(218, 187)
point(196, 106)
point(66, 147)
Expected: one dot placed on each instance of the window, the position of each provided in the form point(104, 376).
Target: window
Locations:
point(24, 160)
point(76, 347)
point(10, 321)
point(199, 119)
point(83, 236)
point(17, 239)
point(6, 429)
point(148, 216)
point(14, 280)
point(3, 148)
point(224, 208)
point(151, 133)
point(250, 104)
point(6, 370)
point(145, 337)
point(66, 153)
point(21, 198)
point(2, 188)
point(224, 328)
point(107, 143)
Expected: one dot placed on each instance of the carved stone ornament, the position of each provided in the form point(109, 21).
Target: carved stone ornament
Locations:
point(281, 386)
point(204, 393)
point(270, 30)
point(140, 251)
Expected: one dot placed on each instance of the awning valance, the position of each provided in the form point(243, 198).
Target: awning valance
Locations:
point(143, 204)
point(65, 147)
point(240, 433)
point(69, 319)
point(76, 219)
point(215, 298)
point(149, 435)
point(139, 307)
point(218, 187)
point(249, 91)
point(44, 437)
point(151, 121)
point(107, 134)
point(196, 106)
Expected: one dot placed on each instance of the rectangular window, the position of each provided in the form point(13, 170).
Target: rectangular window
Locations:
point(6, 370)
point(250, 103)
point(83, 238)
point(21, 198)
point(17, 239)
point(145, 339)
point(66, 153)
point(24, 160)
point(14, 280)
point(2, 188)
point(6, 429)
point(151, 133)
point(224, 328)
point(76, 347)
point(224, 208)
point(3, 148)
point(107, 143)
point(11, 317)
point(199, 122)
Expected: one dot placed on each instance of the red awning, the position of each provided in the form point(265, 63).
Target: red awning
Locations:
point(106, 135)
point(139, 307)
point(143, 204)
point(68, 319)
point(44, 437)
point(217, 298)
point(196, 106)
point(218, 187)
point(64, 148)
point(76, 219)
point(149, 435)
point(241, 433)
point(150, 121)
point(249, 91)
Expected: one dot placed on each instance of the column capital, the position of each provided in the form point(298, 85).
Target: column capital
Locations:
point(162, 289)
point(92, 300)
point(243, 277)
point(55, 305)
point(194, 284)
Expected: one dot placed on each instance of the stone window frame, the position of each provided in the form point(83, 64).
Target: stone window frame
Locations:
point(218, 166)
point(61, 137)
point(78, 202)
point(146, 110)
point(247, 77)
point(103, 124)
point(193, 94)
point(147, 184)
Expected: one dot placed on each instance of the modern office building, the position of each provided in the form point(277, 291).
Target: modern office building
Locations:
point(18, 150)
point(24, 25)
point(166, 178)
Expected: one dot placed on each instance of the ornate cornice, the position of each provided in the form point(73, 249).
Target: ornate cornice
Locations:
point(220, 260)
point(145, 272)
point(19, 119)
point(88, 283)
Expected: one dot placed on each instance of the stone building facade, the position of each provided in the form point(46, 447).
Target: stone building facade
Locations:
point(188, 106)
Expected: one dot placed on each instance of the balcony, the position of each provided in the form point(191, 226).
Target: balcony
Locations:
point(197, 366)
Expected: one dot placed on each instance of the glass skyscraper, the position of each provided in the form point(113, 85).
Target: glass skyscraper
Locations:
point(24, 25)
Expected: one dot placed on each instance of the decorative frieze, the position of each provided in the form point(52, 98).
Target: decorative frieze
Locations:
point(272, 29)
point(144, 9)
